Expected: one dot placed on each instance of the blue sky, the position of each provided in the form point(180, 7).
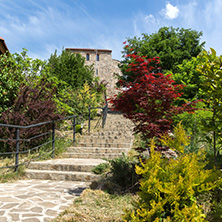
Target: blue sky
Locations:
point(42, 26)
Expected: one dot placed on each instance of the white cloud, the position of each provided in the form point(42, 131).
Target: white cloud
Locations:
point(150, 19)
point(42, 27)
point(170, 12)
point(145, 23)
point(204, 17)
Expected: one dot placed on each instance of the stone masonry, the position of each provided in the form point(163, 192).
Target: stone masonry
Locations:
point(76, 165)
point(104, 65)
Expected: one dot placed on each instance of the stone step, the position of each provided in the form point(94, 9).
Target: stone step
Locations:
point(95, 135)
point(91, 150)
point(60, 175)
point(69, 164)
point(117, 120)
point(118, 123)
point(103, 140)
point(114, 145)
point(93, 155)
point(112, 128)
point(96, 150)
point(112, 133)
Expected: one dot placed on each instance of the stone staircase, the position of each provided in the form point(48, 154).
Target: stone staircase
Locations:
point(109, 143)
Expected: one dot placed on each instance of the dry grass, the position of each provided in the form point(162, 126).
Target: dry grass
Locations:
point(8, 174)
point(96, 205)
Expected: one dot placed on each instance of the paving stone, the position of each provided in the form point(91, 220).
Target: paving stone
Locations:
point(22, 196)
point(31, 215)
point(26, 205)
point(8, 206)
point(47, 204)
point(2, 213)
point(31, 220)
point(52, 213)
point(14, 217)
point(15, 210)
point(36, 209)
point(69, 198)
point(3, 219)
point(35, 199)
point(8, 199)
point(62, 208)
point(47, 219)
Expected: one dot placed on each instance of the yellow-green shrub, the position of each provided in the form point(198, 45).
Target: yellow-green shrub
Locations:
point(86, 98)
point(169, 188)
point(178, 141)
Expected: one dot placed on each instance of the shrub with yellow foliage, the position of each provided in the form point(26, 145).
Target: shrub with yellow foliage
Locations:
point(170, 188)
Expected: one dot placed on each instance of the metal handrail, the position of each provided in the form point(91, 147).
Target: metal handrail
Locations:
point(52, 132)
point(104, 116)
point(37, 124)
point(17, 140)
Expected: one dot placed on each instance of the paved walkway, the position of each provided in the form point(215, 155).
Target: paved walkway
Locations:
point(36, 200)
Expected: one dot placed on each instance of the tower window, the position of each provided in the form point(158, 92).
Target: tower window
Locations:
point(97, 57)
point(97, 72)
point(87, 57)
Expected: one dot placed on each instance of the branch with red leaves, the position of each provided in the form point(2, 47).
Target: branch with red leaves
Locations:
point(149, 99)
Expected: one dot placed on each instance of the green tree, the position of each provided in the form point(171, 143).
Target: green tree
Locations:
point(190, 77)
point(83, 98)
point(16, 69)
point(10, 79)
point(172, 45)
point(211, 70)
point(71, 68)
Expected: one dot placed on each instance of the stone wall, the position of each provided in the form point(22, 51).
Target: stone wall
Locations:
point(104, 66)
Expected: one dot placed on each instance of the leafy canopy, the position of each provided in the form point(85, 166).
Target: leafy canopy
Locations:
point(211, 70)
point(188, 75)
point(16, 69)
point(171, 45)
point(70, 67)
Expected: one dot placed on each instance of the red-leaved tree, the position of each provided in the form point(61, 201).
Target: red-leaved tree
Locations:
point(33, 105)
point(149, 99)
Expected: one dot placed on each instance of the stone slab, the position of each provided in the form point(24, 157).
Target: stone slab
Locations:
point(37, 200)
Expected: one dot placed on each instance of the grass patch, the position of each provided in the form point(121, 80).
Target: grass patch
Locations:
point(97, 205)
point(9, 175)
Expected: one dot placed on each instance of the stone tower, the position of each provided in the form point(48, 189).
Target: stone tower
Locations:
point(104, 65)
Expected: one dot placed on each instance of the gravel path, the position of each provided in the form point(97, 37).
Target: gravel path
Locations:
point(36, 200)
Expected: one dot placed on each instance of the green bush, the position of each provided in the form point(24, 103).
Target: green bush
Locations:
point(215, 213)
point(193, 124)
point(101, 168)
point(169, 188)
point(121, 173)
